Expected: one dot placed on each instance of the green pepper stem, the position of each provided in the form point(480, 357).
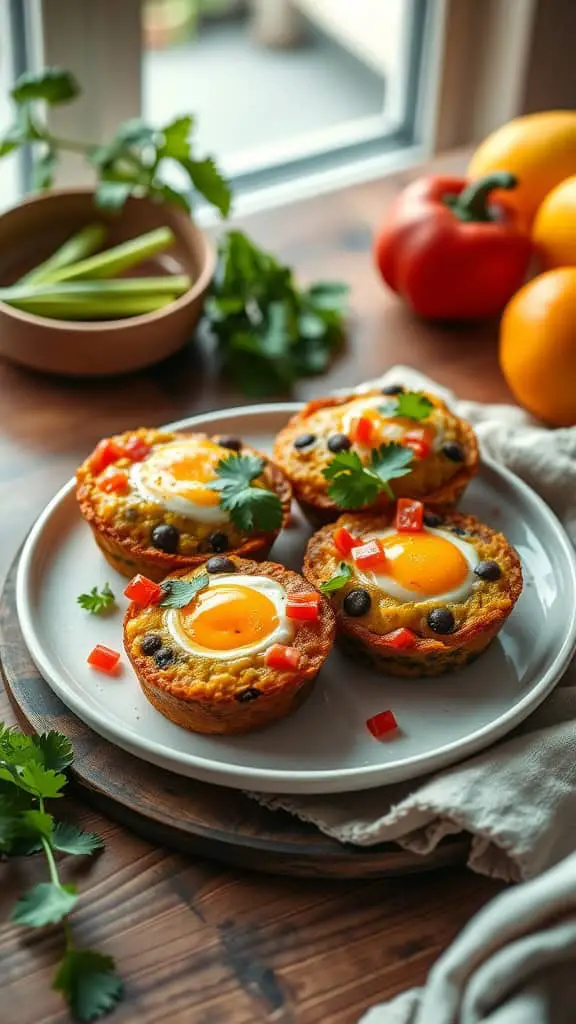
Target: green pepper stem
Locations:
point(472, 203)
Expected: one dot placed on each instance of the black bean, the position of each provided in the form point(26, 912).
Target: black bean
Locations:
point(245, 696)
point(458, 531)
point(233, 443)
point(339, 443)
point(441, 620)
point(220, 565)
point(166, 538)
point(357, 602)
point(151, 643)
point(304, 440)
point(431, 519)
point(453, 451)
point(219, 542)
point(392, 389)
point(163, 657)
point(488, 571)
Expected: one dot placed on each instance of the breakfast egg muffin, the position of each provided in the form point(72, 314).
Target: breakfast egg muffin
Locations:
point(158, 501)
point(361, 451)
point(415, 593)
point(230, 647)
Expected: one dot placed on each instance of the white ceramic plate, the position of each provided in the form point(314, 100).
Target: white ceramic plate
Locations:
point(325, 747)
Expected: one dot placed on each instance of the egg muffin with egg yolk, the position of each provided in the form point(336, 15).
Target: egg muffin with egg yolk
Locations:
point(149, 499)
point(330, 431)
point(238, 650)
point(419, 601)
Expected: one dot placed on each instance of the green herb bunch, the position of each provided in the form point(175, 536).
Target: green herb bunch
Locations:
point(31, 773)
point(130, 164)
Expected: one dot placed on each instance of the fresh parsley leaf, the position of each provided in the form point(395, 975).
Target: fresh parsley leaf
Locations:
point(36, 824)
point(269, 330)
point(411, 405)
point(354, 484)
point(250, 507)
point(46, 903)
point(97, 601)
point(88, 983)
point(69, 838)
point(338, 581)
point(53, 85)
point(55, 750)
point(179, 593)
point(41, 782)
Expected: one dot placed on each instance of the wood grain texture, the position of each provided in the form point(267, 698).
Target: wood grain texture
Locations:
point(189, 816)
point(198, 943)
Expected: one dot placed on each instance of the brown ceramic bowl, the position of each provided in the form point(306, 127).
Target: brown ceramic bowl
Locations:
point(32, 231)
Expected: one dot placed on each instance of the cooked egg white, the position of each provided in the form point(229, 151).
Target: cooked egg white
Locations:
point(389, 429)
point(432, 564)
point(236, 615)
point(175, 476)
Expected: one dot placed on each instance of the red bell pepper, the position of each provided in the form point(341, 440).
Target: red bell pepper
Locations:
point(450, 252)
point(409, 515)
point(380, 724)
point(283, 658)
point(400, 639)
point(362, 430)
point(344, 541)
point(368, 555)
point(104, 659)
point(143, 591)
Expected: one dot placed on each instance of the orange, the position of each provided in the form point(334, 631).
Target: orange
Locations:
point(540, 149)
point(538, 346)
point(554, 230)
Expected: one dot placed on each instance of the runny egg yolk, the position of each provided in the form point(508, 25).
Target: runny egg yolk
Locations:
point(228, 617)
point(180, 470)
point(424, 562)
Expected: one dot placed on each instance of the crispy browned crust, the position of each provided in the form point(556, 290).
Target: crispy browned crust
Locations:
point(281, 692)
point(431, 656)
point(129, 557)
point(318, 507)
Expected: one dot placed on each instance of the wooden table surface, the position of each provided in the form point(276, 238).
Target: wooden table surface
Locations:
point(197, 943)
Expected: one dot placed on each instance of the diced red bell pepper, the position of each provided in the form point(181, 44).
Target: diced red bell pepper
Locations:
point(105, 453)
point(362, 429)
point(421, 448)
point(368, 555)
point(279, 656)
point(401, 639)
point(344, 541)
point(409, 515)
point(104, 659)
point(303, 611)
point(381, 724)
point(113, 482)
point(305, 597)
point(143, 591)
point(136, 448)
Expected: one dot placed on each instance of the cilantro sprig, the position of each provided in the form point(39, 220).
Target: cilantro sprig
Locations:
point(353, 484)
point(339, 580)
point(132, 163)
point(251, 508)
point(31, 772)
point(411, 405)
point(179, 593)
point(97, 601)
point(270, 331)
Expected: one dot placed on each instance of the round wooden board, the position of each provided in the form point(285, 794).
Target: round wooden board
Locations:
point(191, 817)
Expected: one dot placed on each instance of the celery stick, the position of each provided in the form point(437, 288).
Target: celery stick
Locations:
point(78, 247)
point(169, 284)
point(116, 260)
point(110, 308)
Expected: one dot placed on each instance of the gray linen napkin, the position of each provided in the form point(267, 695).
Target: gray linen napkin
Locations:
point(517, 800)
point(514, 963)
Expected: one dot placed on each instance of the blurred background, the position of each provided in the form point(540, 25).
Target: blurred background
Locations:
point(294, 96)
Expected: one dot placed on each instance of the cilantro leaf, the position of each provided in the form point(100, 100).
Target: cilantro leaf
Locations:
point(69, 838)
point(41, 782)
point(209, 182)
point(179, 593)
point(338, 581)
point(88, 983)
point(55, 750)
point(46, 903)
point(411, 405)
point(354, 484)
point(36, 824)
point(53, 85)
point(97, 601)
point(250, 507)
